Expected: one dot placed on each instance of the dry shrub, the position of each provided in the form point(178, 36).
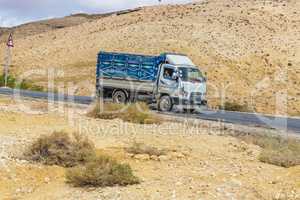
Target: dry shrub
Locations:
point(283, 156)
point(135, 113)
point(262, 140)
point(141, 148)
point(231, 106)
point(100, 172)
point(61, 149)
point(73, 150)
point(107, 111)
point(281, 152)
point(276, 150)
point(140, 113)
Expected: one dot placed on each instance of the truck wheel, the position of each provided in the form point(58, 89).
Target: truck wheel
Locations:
point(119, 97)
point(165, 104)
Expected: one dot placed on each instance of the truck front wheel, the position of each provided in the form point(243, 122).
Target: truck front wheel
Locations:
point(165, 104)
point(119, 97)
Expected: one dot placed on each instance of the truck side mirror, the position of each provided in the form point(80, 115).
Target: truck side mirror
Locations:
point(175, 76)
point(205, 76)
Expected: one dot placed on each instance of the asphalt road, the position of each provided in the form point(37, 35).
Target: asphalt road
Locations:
point(44, 95)
point(250, 119)
point(282, 123)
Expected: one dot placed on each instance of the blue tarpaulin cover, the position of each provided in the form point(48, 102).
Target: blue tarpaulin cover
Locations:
point(128, 66)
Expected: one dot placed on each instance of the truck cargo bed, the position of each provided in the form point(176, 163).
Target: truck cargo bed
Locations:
point(128, 66)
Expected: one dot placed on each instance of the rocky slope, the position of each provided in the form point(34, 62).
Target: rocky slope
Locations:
point(249, 49)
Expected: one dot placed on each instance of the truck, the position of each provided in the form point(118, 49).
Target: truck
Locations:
point(168, 80)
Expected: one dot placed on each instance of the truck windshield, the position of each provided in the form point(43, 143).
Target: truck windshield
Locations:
point(190, 74)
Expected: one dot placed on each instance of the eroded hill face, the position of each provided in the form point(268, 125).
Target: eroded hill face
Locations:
point(249, 49)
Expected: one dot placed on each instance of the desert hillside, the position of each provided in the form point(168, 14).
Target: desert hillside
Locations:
point(249, 49)
point(38, 27)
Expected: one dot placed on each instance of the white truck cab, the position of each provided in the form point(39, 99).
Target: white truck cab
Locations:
point(183, 82)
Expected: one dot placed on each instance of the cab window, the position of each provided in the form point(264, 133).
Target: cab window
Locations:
point(168, 72)
point(191, 74)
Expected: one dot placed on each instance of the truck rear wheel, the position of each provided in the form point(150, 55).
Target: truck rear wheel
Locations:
point(119, 97)
point(165, 104)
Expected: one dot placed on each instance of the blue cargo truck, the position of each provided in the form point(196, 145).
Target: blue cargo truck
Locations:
point(168, 80)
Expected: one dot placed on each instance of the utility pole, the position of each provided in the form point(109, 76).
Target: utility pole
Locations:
point(10, 45)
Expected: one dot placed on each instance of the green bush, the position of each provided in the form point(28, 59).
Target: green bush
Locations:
point(135, 113)
point(231, 106)
point(61, 149)
point(28, 85)
point(100, 172)
point(11, 81)
point(24, 84)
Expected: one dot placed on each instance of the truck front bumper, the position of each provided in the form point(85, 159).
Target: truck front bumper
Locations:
point(186, 102)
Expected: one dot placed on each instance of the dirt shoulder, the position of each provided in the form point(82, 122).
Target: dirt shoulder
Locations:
point(212, 166)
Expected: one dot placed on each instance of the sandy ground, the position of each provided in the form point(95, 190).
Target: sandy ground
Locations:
point(214, 166)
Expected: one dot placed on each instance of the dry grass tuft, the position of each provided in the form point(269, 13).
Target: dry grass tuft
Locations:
point(276, 150)
point(61, 149)
point(100, 172)
point(284, 156)
point(141, 148)
point(107, 111)
point(231, 106)
point(135, 113)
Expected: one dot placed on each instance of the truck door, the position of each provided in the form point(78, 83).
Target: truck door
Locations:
point(167, 84)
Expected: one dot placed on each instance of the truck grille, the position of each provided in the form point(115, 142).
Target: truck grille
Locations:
point(196, 96)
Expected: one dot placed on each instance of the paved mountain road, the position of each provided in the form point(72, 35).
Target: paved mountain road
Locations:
point(253, 119)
